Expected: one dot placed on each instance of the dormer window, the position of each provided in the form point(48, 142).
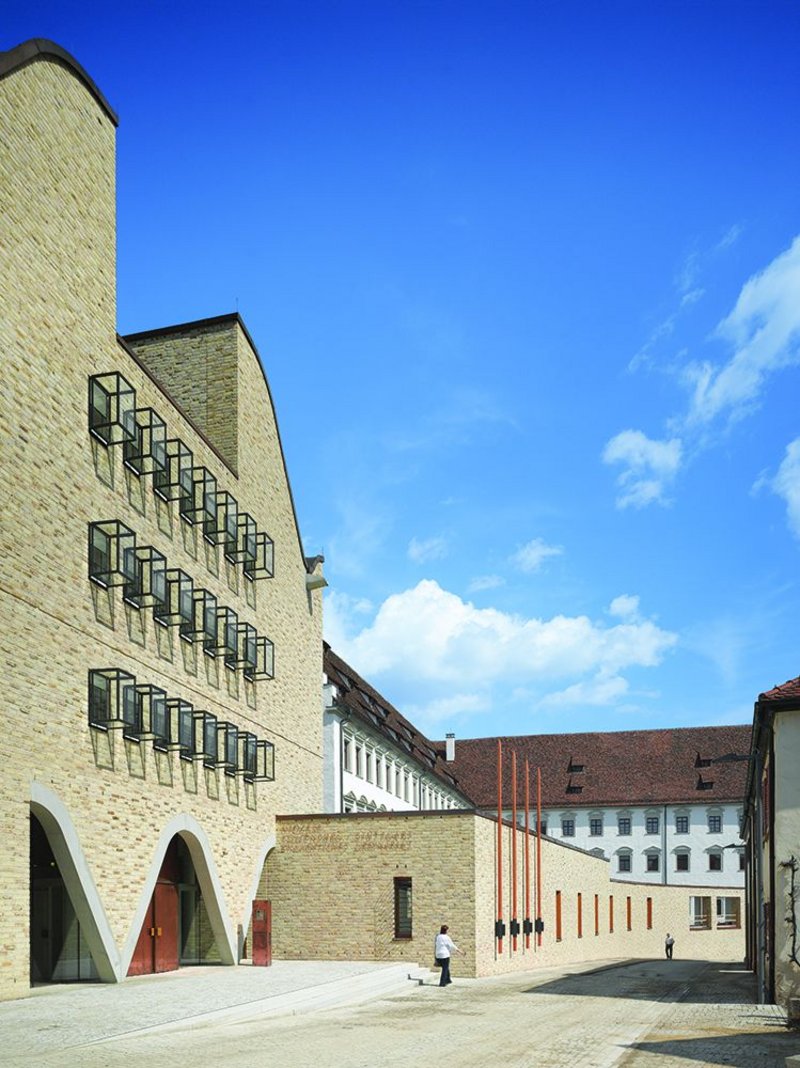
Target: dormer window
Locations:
point(702, 762)
point(574, 767)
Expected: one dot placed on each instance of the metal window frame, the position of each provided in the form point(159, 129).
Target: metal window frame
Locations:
point(148, 589)
point(403, 926)
point(178, 606)
point(206, 738)
point(246, 645)
point(149, 699)
point(120, 549)
point(264, 667)
point(200, 506)
point(204, 614)
point(121, 689)
point(242, 549)
point(117, 425)
point(225, 642)
point(224, 526)
point(146, 453)
point(174, 482)
point(263, 566)
point(227, 737)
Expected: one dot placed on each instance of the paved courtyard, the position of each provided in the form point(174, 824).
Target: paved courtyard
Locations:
point(649, 1014)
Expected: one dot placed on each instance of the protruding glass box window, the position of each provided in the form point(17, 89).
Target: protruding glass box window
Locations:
point(112, 407)
point(183, 728)
point(226, 641)
point(228, 747)
point(245, 656)
point(148, 589)
point(147, 453)
point(263, 667)
point(112, 698)
point(203, 625)
point(256, 758)
point(178, 606)
point(223, 529)
point(112, 553)
point(242, 548)
point(175, 482)
point(200, 506)
point(151, 720)
point(206, 738)
point(262, 566)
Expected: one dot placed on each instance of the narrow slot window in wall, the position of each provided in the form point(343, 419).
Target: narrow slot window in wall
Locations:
point(649, 914)
point(628, 913)
point(597, 914)
point(580, 915)
point(558, 915)
point(402, 907)
point(610, 913)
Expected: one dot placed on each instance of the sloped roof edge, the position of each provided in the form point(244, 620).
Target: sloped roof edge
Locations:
point(41, 48)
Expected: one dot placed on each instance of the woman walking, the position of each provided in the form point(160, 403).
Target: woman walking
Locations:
point(443, 949)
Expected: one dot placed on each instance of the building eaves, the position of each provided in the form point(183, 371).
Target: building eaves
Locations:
point(41, 48)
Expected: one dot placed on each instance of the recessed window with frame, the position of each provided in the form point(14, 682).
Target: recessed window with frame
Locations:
point(623, 825)
point(112, 553)
point(681, 824)
point(652, 861)
point(624, 861)
point(714, 823)
point(700, 912)
point(403, 928)
point(651, 824)
point(729, 912)
point(147, 453)
point(174, 482)
point(595, 826)
point(567, 827)
point(682, 860)
point(112, 407)
point(715, 860)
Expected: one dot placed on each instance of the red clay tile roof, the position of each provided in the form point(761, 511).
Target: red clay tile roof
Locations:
point(786, 691)
point(681, 765)
point(365, 703)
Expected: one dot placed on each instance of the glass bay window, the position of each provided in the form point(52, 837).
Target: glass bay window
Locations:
point(112, 405)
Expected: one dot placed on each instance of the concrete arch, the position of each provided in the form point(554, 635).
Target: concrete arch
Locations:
point(266, 848)
point(63, 838)
point(207, 877)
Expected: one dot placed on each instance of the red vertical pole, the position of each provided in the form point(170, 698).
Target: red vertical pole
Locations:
point(539, 851)
point(514, 848)
point(499, 845)
point(527, 849)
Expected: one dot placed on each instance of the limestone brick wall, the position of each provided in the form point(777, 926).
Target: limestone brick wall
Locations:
point(57, 322)
point(331, 884)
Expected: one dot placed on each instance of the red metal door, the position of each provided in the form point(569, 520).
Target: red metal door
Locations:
point(142, 960)
point(165, 922)
point(262, 933)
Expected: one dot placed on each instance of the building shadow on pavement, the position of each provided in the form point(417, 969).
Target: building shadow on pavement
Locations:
point(697, 982)
point(740, 1050)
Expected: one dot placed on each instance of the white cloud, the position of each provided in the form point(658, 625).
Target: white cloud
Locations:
point(485, 582)
point(601, 690)
point(445, 709)
point(438, 641)
point(423, 551)
point(787, 484)
point(531, 556)
point(649, 467)
point(764, 331)
point(625, 606)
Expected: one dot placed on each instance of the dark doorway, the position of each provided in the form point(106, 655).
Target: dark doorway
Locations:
point(59, 953)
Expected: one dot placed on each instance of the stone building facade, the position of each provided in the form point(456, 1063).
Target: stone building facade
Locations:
point(161, 635)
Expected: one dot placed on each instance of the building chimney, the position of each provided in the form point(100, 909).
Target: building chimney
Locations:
point(450, 747)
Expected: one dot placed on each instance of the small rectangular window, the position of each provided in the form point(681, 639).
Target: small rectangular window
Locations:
point(568, 828)
point(652, 862)
point(681, 824)
point(682, 862)
point(173, 481)
point(624, 825)
point(715, 861)
point(112, 406)
point(595, 827)
point(262, 565)
point(402, 907)
point(624, 862)
point(649, 914)
point(558, 915)
point(700, 912)
point(742, 861)
point(629, 913)
point(611, 914)
point(651, 824)
point(146, 454)
point(580, 915)
point(714, 824)
point(728, 912)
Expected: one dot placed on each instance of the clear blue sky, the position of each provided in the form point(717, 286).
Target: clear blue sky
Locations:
point(525, 283)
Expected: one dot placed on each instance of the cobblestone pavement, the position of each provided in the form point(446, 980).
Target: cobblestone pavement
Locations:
point(647, 1014)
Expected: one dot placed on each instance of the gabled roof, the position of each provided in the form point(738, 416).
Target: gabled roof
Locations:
point(366, 704)
point(684, 765)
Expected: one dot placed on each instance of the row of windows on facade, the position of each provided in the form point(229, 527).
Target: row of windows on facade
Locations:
point(146, 713)
point(728, 912)
point(114, 419)
point(652, 824)
point(148, 582)
point(714, 860)
point(377, 768)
